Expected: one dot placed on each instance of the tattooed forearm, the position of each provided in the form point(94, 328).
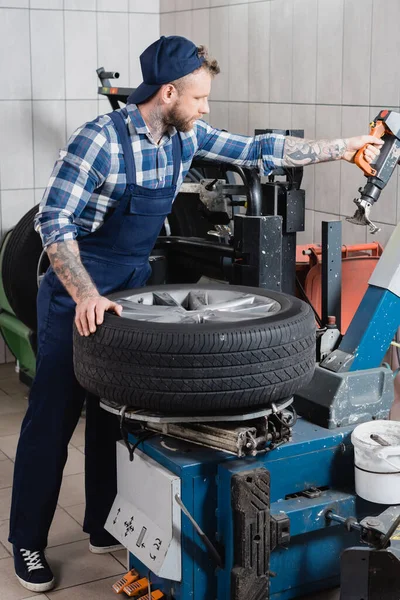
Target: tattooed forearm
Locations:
point(66, 262)
point(298, 152)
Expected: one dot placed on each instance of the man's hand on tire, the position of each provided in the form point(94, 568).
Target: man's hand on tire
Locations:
point(90, 312)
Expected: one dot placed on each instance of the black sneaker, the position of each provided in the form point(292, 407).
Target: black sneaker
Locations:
point(32, 570)
point(104, 542)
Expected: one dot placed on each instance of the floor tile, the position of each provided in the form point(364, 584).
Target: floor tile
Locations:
point(77, 512)
point(11, 423)
point(64, 530)
point(78, 439)
point(122, 557)
point(8, 445)
point(75, 463)
point(8, 370)
point(6, 473)
point(4, 553)
point(3, 456)
point(15, 403)
point(40, 597)
point(101, 590)
point(73, 564)
point(12, 385)
point(5, 503)
point(72, 490)
point(10, 589)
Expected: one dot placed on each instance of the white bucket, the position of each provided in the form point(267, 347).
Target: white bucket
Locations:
point(377, 467)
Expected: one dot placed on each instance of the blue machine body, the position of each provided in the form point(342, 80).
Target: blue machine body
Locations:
point(372, 328)
point(316, 457)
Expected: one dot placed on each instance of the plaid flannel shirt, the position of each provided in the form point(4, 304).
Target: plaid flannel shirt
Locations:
point(89, 176)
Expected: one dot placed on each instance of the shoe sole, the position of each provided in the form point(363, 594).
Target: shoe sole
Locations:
point(36, 587)
point(105, 549)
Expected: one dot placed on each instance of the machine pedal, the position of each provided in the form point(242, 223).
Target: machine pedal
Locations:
point(136, 588)
point(251, 513)
point(130, 577)
point(156, 595)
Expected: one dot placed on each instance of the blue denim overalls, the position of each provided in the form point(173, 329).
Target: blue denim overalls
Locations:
point(116, 257)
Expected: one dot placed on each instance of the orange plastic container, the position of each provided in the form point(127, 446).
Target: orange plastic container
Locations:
point(358, 263)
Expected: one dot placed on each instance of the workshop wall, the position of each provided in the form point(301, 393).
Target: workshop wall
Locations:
point(326, 66)
point(49, 53)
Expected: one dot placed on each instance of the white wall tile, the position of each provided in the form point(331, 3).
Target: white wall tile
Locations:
point(113, 44)
point(238, 53)
point(48, 137)
point(201, 3)
point(47, 51)
point(357, 43)
point(382, 236)
point(183, 23)
point(385, 69)
point(281, 54)
point(219, 49)
point(280, 116)
point(16, 148)
point(81, 41)
point(143, 31)
point(47, 4)
point(167, 5)
point(330, 51)
point(112, 5)
point(304, 50)
point(167, 24)
point(80, 4)
point(14, 54)
point(201, 27)
point(259, 45)
point(183, 4)
point(144, 6)
point(238, 117)
point(318, 218)
point(80, 112)
point(219, 115)
point(38, 194)
point(258, 116)
point(14, 3)
point(355, 121)
point(353, 234)
point(14, 205)
point(303, 117)
point(327, 175)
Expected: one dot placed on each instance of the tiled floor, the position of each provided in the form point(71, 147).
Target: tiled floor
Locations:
point(80, 575)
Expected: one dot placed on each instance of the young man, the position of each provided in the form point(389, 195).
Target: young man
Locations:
point(107, 199)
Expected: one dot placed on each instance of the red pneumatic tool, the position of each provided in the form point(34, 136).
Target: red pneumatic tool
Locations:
point(386, 126)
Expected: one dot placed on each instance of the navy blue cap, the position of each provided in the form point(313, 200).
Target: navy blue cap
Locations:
point(165, 60)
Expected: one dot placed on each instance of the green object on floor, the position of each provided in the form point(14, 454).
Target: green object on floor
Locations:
point(4, 304)
point(18, 338)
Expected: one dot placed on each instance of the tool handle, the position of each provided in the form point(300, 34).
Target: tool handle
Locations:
point(378, 130)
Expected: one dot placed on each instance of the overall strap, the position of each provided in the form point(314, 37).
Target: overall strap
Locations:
point(177, 156)
point(125, 140)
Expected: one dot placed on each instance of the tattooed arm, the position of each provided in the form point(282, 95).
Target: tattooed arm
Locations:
point(90, 305)
point(299, 152)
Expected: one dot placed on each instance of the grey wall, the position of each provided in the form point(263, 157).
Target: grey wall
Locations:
point(49, 53)
point(326, 66)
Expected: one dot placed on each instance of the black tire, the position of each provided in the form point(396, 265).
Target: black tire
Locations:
point(200, 368)
point(19, 269)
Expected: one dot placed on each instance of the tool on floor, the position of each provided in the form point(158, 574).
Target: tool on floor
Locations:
point(386, 126)
point(156, 595)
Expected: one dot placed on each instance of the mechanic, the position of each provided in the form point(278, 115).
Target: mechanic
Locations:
point(109, 194)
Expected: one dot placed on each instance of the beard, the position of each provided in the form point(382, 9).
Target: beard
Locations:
point(177, 120)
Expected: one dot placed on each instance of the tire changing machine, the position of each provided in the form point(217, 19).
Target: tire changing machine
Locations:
point(262, 506)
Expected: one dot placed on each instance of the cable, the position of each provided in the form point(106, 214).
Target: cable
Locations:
point(305, 297)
